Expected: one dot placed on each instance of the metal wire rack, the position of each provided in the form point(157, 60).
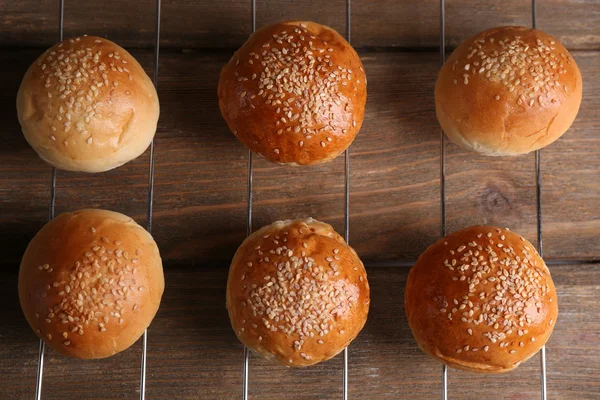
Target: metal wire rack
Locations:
point(245, 380)
point(40, 371)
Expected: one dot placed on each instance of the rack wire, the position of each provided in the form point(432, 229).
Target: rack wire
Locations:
point(444, 375)
point(246, 363)
point(538, 185)
point(42, 348)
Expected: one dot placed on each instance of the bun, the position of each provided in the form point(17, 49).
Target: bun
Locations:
point(297, 294)
point(90, 283)
point(508, 91)
point(294, 93)
point(481, 299)
point(87, 105)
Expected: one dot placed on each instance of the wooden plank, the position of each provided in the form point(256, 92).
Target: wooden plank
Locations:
point(29, 23)
point(194, 354)
point(414, 23)
point(219, 24)
point(213, 200)
point(201, 172)
point(571, 193)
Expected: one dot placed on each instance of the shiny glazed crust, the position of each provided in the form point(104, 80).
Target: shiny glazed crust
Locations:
point(294, 93)
point(297, 294)
point(481, 299)
point(90, 283)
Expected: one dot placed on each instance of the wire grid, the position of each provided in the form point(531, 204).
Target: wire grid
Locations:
point(346, 206)
point(246, 363)
point(443, 198)
point(40, 371)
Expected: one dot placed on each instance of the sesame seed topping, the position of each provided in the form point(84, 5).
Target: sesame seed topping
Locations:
point(297, 75)
point(503, 287)
point(75, 73)
point(528, 68)
point(294, 292)
point(92, 292)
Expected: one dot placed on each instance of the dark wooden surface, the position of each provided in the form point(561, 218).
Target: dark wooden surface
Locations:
point(200, 203)
point(200, 199)
point(218, 24)
point(194, 354)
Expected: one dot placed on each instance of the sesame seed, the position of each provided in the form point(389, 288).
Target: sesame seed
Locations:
point(522, 66)
point(299, 82)
point(287, 298)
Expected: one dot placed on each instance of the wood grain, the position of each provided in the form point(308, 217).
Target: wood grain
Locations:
point(571, 195)
point(201, 172)
point(219, 24)
point(194, 354)
point(200, 199)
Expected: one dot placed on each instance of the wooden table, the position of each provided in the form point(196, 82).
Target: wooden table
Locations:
point(200, 199)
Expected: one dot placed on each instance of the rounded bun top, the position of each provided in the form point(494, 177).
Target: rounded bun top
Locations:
point(90, 283)
point(481, 299)
point(87, 105)
point(507, 91)
point(297, 294)
point(294, 93)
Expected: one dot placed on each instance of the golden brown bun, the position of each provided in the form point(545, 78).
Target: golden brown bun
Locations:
point(481, 299)
point(297, 294)
point(508, 91)
point(92, 113)
point(90, 283)
point(294, 93)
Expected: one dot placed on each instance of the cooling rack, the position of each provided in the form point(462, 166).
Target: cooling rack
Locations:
point(246, 354)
